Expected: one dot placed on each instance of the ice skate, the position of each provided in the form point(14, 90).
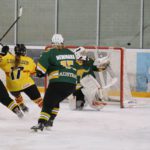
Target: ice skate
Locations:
point(18, 112)
point(40, 126)
point(79, 104)
point(24, 108)
point(49, 124)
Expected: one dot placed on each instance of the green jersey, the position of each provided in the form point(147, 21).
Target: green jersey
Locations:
point(84, 68)
point(59, 65)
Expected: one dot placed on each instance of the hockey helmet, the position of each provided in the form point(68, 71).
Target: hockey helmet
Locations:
point(20, 49)
point(57, 39)
point(80, 53)
point(4, 49)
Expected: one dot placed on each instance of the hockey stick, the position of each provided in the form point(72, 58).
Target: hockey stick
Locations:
point(19, 16)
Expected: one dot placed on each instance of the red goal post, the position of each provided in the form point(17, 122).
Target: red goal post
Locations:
point(121, 91)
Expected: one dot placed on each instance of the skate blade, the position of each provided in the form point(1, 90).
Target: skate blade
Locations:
point(26, 111)
point(36, 129)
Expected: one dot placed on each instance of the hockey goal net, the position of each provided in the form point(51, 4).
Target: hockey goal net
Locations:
point(113, 90)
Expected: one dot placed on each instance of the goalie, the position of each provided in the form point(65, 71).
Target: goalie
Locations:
point(88, 89)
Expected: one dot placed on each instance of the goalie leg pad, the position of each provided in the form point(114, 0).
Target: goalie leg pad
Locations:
point(91, 97)
point(89, 81)
point(90, 89)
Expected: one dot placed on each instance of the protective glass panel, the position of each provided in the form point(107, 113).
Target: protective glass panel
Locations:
point(120, 23)
point(37, 23)
point(77, 21)
point(7, 11)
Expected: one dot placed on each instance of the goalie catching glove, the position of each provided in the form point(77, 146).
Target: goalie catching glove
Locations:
point(102, 62)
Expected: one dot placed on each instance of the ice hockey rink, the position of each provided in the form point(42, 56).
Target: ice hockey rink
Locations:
point(111, 128)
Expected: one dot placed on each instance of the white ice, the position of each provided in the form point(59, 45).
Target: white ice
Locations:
point(109, 129)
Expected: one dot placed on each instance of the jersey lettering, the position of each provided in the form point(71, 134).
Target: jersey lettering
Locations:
point(16, 72)
point(66, 63)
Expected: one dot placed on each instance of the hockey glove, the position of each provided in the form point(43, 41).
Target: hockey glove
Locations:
point(39, 74)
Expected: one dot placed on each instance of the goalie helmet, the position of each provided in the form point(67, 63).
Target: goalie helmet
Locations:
point(20, 49)
point(57, 39)
point(80, 53)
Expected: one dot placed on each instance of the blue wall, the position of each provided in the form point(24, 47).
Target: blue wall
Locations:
point(143, 76)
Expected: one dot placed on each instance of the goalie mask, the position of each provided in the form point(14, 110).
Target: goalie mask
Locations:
point(57, 39)
point(80, 53)
point(20, 49)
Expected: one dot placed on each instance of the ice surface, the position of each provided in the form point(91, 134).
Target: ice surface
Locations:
point(109, 129)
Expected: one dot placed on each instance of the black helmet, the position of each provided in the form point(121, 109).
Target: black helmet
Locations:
point(4, 50)
point(20, 49)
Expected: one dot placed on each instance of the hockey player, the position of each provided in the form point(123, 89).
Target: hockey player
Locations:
point(86, 67)
point(4, 96)
point(59, 63)
point(18, 70)
point(56, 108)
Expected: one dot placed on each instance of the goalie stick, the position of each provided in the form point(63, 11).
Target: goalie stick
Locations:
point(17, 19)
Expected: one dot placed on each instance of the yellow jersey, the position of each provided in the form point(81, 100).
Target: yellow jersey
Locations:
point(17, 78)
